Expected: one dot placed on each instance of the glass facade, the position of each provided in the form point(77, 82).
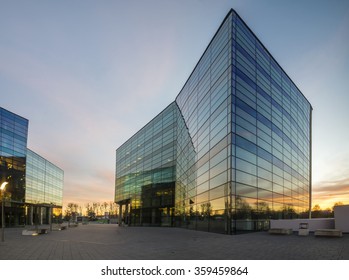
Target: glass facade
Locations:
point(205, 104)
point(271, 136)
point(146, 170)
point(34, 184)
point(13, 149)
point(44, 188)
point(44, 181)
point(241, 141)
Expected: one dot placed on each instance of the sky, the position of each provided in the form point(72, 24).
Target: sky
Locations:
point(89, 74)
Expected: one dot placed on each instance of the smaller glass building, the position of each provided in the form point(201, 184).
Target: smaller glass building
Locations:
point(35, 185)
point(146, 172)
point(44, 188)
point(13, 152)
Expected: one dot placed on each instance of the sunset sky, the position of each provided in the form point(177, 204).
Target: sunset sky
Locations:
point(89, 74)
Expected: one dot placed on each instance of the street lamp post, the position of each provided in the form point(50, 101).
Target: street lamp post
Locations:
point(50, 217)
point(2, 188)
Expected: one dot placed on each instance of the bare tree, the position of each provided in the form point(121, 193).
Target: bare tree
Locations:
point(105, 206)
point(112, 208)
point(101, 209)
point(71, 211)
point(88, 209)
point(91, 209)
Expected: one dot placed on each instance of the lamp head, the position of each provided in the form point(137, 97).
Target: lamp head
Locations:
point(3, 185)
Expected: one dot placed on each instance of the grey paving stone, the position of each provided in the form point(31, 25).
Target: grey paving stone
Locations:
point(110, 242)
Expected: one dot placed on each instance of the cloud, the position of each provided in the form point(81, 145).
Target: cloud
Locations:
point(329, 192)
point(329, 161)
point(94, 188)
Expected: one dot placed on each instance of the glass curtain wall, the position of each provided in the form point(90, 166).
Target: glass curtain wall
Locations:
point(271, 137)
point(237, 142)
point(13, 143)
point(250, 129)
point(44, 181)
point(205, 104)
point(146, 172)
point(44, 189)
point(32, 180)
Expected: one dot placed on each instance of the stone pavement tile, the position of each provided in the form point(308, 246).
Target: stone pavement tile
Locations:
point(98, 242)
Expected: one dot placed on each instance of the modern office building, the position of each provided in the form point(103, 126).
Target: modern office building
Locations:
point(44, 188)
point(35, 186)
point(230, 153)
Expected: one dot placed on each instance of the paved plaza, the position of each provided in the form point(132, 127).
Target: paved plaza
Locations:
point(110, 242)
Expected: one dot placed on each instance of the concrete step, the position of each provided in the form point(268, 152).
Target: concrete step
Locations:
point(328, 232)
point(282, 231)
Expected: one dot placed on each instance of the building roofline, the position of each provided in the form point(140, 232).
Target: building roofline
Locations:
point(45, 159)
point(232, 11)
point(2, 108)
point(175, 100)
point(133, 135)
point(271, 56)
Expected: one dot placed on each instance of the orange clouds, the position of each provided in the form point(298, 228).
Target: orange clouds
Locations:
point(327, 193)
